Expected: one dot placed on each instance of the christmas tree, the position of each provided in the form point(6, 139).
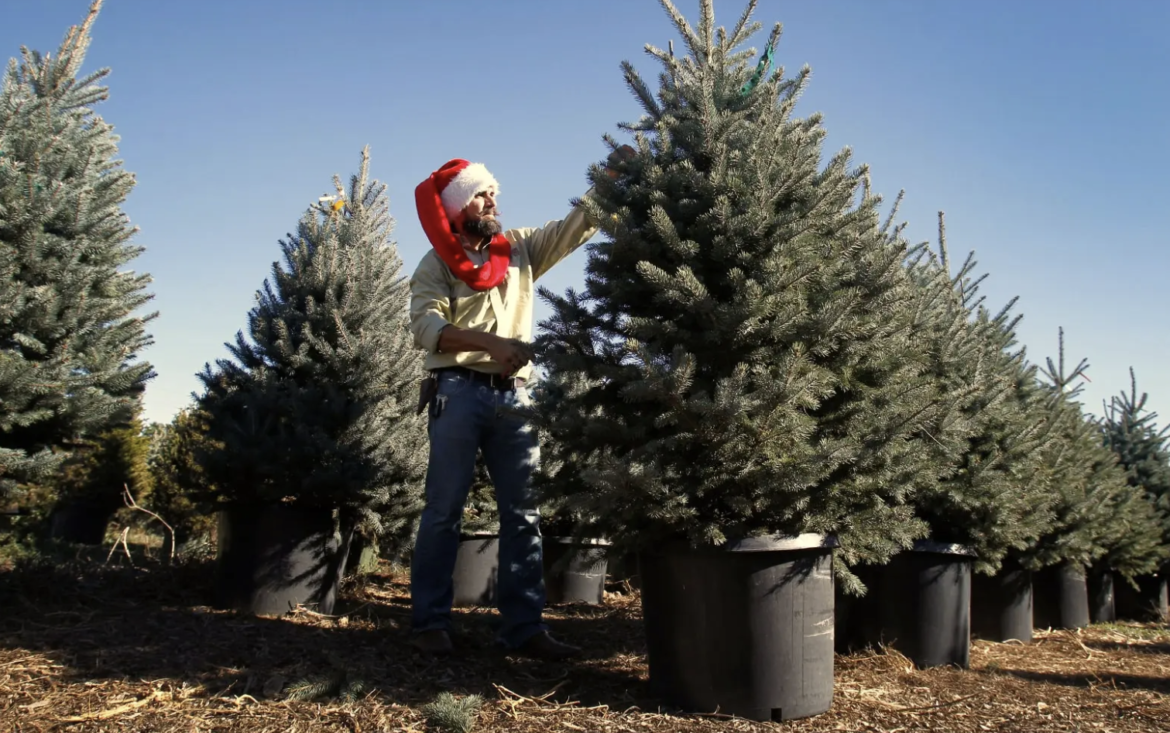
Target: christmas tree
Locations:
point(992, 496)
point(743, 359)
point(69, 332)
point(1129, 429)
point(1085, 479)
point(317, 405)
point(178, 477)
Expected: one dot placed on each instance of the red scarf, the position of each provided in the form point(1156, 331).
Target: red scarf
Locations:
point(450, 249)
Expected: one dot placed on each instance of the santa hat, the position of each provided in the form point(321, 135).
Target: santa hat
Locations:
point(440, 199)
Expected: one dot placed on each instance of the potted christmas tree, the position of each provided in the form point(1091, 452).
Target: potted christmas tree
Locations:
point(1085, 482)
point(312, 422)
point(739, 384)
point(73, 326)
point(988, 498)
point(1139, 555)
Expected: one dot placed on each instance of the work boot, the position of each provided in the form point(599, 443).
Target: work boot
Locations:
point(435, 643)
point(543, 646)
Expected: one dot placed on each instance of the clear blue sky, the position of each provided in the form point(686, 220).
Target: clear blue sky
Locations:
point(1040, 127)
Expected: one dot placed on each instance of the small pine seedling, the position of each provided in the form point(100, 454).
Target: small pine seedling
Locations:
point(450, 713)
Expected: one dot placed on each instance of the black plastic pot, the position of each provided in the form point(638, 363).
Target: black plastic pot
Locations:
point(625, 567)
point(1001, 605)
point(1060, 597)
point(477, 569)
point(1147, 603)
point(574, 572)
point(1099, 582)
point(745, 630)
point(81, 522)
point(919, 603)
point(273, 558)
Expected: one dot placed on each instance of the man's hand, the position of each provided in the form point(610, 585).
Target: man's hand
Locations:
point(623, 153)
point(512, 354)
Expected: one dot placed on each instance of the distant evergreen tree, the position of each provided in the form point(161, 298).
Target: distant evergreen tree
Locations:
point(1086, 482)
point(1129, 429)
point(743, 359)
point(69, 336)
point(179, 478)
point(993, 495)
point(317, 404)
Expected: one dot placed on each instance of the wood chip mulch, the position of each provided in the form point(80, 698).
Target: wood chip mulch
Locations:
point(94, 648)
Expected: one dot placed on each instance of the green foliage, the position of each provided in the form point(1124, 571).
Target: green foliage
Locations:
point(743, 358)
point(480, 513)
point(992, 493)
point(98, 470)
point(180, 482)
point(340, 685)
point(1085, 479)
point(69, 335)
point(317, 404)
point(449, 713)
point(1130, 430)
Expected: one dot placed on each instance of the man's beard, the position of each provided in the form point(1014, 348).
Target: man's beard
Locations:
point(483, 228)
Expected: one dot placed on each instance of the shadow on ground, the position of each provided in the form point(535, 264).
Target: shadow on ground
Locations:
point(1112, 679)
point(152, 624)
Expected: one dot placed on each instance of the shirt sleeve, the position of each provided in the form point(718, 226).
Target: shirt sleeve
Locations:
point(556, 240)
point(430, 304)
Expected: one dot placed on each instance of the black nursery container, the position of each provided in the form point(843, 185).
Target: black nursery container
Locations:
point(1147, 603)
point(477, 569)
point(272, 558)
point(81, 522)
point(1060, 597)
point(1102, 606)
point(574, 572)
point(745, 630)
point(1001, 605)
point(919, 603)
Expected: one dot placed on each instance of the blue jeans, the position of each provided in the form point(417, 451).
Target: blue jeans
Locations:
point(468, 421)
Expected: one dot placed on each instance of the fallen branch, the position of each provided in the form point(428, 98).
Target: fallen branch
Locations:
point(121, 541)
point(128, 498)
point(114, 712)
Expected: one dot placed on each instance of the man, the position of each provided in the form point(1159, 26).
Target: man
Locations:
point(471, 310)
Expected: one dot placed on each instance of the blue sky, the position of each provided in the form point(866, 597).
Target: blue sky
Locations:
point(1040, 128)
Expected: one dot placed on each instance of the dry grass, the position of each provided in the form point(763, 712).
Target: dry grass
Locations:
point(89, 648)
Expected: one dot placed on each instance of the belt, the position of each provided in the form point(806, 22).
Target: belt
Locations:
point(495, 381)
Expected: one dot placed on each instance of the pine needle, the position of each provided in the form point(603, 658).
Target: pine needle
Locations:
point(453, 714)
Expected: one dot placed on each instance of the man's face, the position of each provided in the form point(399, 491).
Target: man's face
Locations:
point(480, 216)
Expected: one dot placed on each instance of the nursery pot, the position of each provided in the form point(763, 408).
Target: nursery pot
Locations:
point(477, 568)
point(274, 557)
point(574, 572)
point(1147, 603)
point(624, 567)
point(81, 522)
point(1099, 582)
point(1001, 604)
point(919, 603)
point(1060, 597)
point(745, 629)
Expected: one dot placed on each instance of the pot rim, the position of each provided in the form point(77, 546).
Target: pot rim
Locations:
point(942, 548)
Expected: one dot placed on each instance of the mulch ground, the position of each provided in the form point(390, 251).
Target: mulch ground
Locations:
point(93, 648)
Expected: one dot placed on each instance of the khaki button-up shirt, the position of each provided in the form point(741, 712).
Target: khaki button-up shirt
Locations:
point(438, 298)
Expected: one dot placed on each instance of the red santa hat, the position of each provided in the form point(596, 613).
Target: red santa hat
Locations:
point(440, 200)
